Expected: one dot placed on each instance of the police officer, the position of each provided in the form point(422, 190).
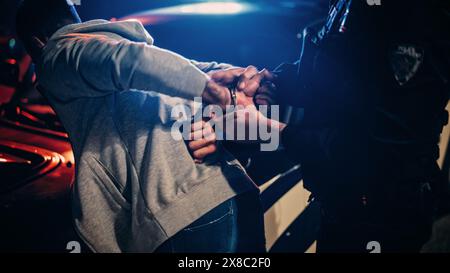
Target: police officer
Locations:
point(373, 83)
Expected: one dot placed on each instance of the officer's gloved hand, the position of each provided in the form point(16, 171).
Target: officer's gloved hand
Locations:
point(293, 80)
point(286, 82)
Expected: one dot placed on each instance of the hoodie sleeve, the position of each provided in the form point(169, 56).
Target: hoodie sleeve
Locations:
point(95, 65)
point(211, 66)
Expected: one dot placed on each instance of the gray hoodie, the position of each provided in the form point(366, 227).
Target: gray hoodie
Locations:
point(113, 91)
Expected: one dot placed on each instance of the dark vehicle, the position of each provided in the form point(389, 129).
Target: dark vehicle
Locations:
point(36, 163)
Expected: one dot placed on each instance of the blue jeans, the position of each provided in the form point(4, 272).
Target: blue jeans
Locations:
point(237, 225)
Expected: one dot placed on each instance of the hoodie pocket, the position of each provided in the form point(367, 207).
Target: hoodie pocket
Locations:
point(214, 217)
point(108, 182)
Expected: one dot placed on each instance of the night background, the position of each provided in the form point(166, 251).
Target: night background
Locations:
point(36, 160)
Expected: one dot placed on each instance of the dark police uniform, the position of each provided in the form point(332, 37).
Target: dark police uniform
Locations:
point(374, 84)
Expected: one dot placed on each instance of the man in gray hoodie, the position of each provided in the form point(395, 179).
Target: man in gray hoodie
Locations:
point(137, 188)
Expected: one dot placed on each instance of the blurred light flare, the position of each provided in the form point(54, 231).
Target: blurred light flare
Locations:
point(11, 61)
point(219, 8)
point(208, 8)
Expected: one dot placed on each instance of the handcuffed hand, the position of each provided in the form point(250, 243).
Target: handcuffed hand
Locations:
point(254, 84)
point(203, 141)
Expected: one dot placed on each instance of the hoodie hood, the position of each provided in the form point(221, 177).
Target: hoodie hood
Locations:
point(132, 30)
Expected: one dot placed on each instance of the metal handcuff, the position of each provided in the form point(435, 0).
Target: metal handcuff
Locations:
point(233, 96)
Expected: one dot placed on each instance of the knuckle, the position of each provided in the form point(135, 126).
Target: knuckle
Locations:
point(207, 135)
point(244, 76)
point(196, 154)
point(197, 136)
point(211, 138)
point(191, 145)
point(217, 74)
point(213, 148)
